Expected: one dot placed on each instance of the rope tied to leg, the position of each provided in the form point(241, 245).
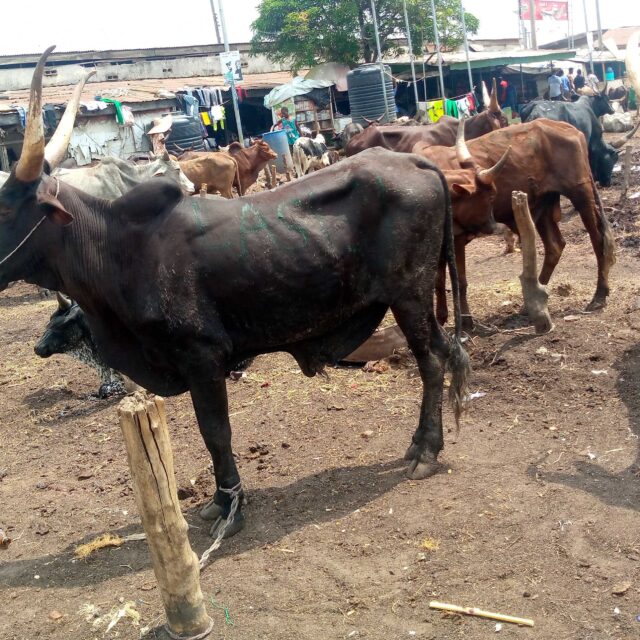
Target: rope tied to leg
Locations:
point(235, 493)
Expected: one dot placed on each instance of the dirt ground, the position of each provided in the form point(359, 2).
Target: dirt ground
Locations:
point(537, 516)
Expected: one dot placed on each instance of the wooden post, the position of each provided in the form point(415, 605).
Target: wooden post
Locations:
point(626, 172)
point(534, 294)
point(144, 427)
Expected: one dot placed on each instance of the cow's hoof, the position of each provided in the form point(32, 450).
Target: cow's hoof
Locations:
point(467, 323)
point(420, 470)
point(231, 530)
point(211, 511)
point(412, 452)
point(597, 303)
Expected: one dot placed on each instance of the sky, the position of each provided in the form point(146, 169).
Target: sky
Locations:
point(78, 25)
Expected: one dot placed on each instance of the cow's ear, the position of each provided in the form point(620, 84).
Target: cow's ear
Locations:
point(461, 189)
point(148, 200)
point(54, 209)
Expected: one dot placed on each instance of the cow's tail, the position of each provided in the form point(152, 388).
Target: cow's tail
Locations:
point(458, 361)
point(608, 242)
point(240, 194)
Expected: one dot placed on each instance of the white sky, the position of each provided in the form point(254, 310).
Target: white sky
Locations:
point(76, 25)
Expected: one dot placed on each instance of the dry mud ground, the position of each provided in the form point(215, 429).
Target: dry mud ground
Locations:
point(537, 517)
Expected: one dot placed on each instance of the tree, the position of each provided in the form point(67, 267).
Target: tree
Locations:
point(303, 33)
point(449, 24)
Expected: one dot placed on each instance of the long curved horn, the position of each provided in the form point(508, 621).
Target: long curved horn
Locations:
point(488, 176)
point(493, 101)
point(64, 303)
point(462, 151)
point(376, 121)
point(29, 166)
point(57, 146)
point(485, 95)
point(604, 91)
point(620, 142)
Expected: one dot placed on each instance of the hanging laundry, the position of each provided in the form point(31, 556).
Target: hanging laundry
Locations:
point(218, 116)
point(472, 102)
point(463, 107)
point(205, 117)
point(22, 114)
point(451, 108)
point(188, 103)
point(118, 107)
point(435, 110)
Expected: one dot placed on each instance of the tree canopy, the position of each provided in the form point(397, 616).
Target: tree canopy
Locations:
point(303, 33)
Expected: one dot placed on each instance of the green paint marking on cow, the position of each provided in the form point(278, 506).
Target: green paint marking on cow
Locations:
point(252, 221)
point(292, 226)
point(382, 188)
point(197, 214)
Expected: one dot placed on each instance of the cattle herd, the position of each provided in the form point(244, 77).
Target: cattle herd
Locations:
point(175, 291)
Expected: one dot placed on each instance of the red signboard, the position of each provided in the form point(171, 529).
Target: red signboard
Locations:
point(545, 9)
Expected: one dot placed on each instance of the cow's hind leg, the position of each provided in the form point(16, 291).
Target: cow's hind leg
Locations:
point(210, 404)
point(546, 216)
point(430, 348)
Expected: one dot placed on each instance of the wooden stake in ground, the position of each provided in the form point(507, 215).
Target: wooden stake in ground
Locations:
point(144, 426)
point(472, 611)
point(626, 172)
point(534, 294)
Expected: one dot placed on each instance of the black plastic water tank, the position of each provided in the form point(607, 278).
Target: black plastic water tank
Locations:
point(366, 96)
point(186, 133)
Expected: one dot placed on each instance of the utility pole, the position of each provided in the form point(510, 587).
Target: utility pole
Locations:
point(532, 19)
point(234, 95)
point(435, 30)
point(600, 44)
point(215, 22)
point(586, 33)
point(382, 74)
point(413, 66)
point(466, 45)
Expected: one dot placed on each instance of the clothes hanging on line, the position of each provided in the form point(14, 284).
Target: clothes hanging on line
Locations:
point(435, 110)
point(451, 108)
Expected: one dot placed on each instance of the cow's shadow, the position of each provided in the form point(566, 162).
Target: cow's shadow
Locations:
point(616, 489)
point(271, 514)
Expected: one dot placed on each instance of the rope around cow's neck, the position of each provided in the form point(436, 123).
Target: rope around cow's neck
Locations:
point(32, 230)
point(23, 241)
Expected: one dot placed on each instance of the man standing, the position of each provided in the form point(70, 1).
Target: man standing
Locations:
point(566, 87)
point(555, 86)
point(578, 82)
point(570, 77)
point(593, 82)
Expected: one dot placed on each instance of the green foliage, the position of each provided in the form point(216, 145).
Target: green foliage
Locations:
point(303, 33)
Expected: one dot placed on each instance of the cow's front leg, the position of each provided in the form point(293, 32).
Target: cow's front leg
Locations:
point(209, 396)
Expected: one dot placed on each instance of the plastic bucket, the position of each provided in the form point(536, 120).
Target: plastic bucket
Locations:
point(277, 140)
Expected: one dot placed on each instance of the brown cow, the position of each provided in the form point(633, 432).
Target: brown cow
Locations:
point(443, 132)
point(251, 162)
point(548, 159)
point(218, 170)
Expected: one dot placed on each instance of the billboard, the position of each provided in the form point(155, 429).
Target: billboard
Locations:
point(545, 10)
point(231, 66)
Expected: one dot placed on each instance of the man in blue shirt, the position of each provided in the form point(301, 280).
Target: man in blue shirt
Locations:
point(566, 85)
point(555, 86)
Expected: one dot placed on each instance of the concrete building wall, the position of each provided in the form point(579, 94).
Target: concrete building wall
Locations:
point(171, 67)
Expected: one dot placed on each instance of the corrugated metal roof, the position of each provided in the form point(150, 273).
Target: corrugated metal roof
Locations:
point(136, 91)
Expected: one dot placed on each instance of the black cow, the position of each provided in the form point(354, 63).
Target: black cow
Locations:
point(176, 290)
point(583, 114)
point(68, 332)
